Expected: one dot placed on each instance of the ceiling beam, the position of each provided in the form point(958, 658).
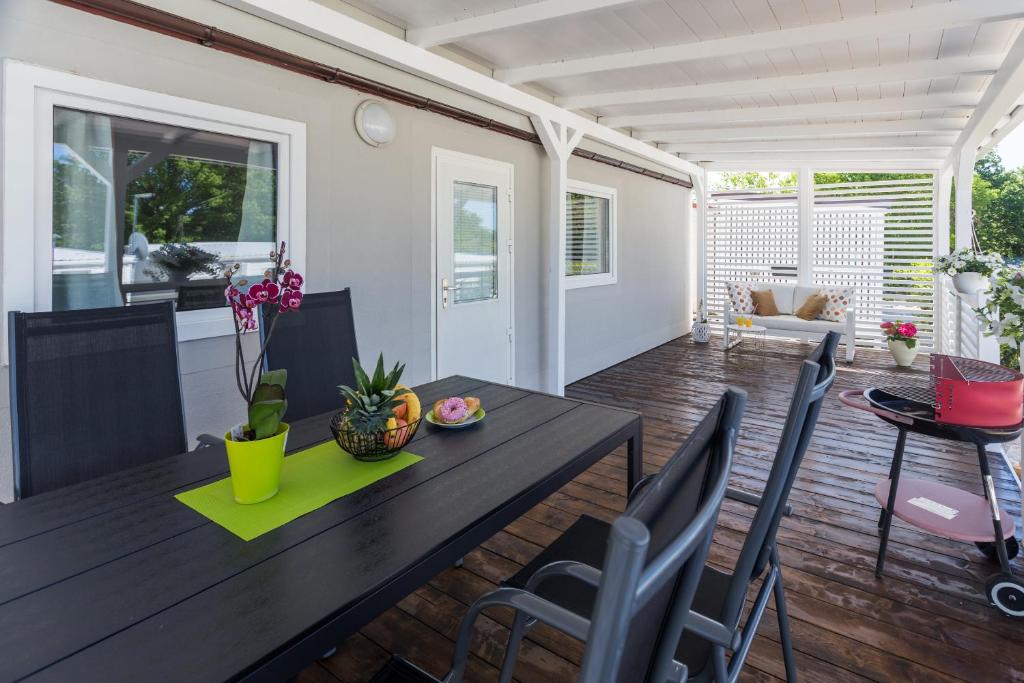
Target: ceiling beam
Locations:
point(429, 36)
point(803, 130)
point(812, 144)
point(835, 159)
point(1012, 121)
point(929, 17)
point(1002, 94)
point(334, 28)
point(797, 111)
point(981, 65)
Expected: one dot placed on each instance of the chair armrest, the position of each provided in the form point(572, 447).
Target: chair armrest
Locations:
point(570, 568)
point(639, 486)
point(713, 631)
point(752, 499)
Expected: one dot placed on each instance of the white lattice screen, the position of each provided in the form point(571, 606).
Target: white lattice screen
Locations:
point(752, 235)
point(874, 235)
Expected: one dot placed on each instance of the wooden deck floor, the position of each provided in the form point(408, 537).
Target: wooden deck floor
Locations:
point(926, 621)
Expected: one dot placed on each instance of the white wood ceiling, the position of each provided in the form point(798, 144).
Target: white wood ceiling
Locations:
point(728, 80)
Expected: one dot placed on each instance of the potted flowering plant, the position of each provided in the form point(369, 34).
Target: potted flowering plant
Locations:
point(701, 331)
point(1003, 315)
point(902, 340)
point(256, 448)
point(969, 269)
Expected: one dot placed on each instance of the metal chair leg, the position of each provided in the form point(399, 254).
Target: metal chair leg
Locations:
point(784, 636)
point(515, 639)
point(885, 521)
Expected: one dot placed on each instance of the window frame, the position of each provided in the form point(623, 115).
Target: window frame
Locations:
point(602, 192)
point(30, 94)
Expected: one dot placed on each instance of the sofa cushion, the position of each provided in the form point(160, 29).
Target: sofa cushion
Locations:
point(812, 308)
point(839, 299)
point(791, 323)
point(783, 297)
point(764, 302)
point(739, 295)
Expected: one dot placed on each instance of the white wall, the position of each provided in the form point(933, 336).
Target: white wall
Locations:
point(368, 215)
point(650, 302)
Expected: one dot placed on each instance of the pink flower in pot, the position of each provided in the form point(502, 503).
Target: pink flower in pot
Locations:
point(908, 330)
point(291, 279)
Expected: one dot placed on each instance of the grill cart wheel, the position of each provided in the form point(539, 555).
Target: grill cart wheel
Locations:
point(988, 549)
point(1006, 592)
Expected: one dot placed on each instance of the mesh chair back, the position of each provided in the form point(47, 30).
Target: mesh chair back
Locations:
point(316, 344)
point(657, 552)
point(92, 392)
point(816, 376)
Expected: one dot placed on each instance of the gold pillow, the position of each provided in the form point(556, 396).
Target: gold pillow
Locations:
point(764, 303)
point(814, 305)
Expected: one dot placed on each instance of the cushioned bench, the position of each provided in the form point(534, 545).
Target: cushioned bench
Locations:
point(788, 299)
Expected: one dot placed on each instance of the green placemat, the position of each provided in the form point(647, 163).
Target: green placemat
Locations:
point(310, 479)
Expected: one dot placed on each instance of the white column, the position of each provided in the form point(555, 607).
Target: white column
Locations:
point(559, 141)
point(964, 206)
point(805, 195)
point(941, 193)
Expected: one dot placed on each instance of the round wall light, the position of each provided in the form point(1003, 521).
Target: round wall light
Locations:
point(374, 123)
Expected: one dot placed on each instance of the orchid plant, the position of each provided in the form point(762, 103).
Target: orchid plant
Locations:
point(900, 331)
point(264, 393)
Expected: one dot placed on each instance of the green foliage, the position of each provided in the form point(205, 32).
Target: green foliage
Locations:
point(1003, 315)
point(268, 404)
point(198, 200)
point(745, 180)
point(997, 197)
point(372, 402)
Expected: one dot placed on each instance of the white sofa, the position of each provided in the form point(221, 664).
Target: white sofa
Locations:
point(789, 298)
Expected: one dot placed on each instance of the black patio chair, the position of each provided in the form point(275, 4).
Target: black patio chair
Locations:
point(93, 392)
point(636, 604)
point(712, 628)
point(316, 344)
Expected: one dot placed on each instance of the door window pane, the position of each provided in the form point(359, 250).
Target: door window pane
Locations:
point(475, 241)
point(587, 234)
point(144, 211)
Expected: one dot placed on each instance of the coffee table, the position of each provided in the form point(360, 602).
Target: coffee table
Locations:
point(756, 333)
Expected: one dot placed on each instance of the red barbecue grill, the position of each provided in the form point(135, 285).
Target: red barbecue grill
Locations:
point(963, 400)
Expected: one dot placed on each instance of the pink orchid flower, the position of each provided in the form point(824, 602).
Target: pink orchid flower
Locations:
point(291, 300)
point(291, 279)
point(258, 294)
point(272, 289)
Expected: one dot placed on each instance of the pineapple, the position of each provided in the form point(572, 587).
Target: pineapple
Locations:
point(372, 402)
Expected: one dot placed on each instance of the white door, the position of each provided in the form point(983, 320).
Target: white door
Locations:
point(473, 204)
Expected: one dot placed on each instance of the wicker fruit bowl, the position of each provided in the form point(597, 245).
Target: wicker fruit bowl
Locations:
point(374, 446)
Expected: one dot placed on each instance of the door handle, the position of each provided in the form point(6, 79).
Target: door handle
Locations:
point(445, 288)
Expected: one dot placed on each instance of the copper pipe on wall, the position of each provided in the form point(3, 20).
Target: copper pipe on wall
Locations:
point(151, 19)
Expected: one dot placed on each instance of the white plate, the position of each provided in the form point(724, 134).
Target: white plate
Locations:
point(472, 419)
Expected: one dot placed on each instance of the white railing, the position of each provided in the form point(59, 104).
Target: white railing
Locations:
point(962, 333)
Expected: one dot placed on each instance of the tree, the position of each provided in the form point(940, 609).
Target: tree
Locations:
point(998, 201)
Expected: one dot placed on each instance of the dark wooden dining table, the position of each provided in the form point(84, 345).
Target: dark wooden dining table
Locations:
point(115, 580)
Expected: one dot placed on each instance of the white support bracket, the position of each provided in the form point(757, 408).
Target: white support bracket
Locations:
point(559, 141)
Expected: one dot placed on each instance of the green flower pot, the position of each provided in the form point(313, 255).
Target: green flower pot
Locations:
point(256, 466)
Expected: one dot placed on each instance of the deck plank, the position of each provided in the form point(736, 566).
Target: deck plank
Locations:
point(927, 620)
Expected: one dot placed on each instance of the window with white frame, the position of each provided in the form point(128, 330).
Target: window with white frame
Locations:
point(589, 235)
point(137, 196)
